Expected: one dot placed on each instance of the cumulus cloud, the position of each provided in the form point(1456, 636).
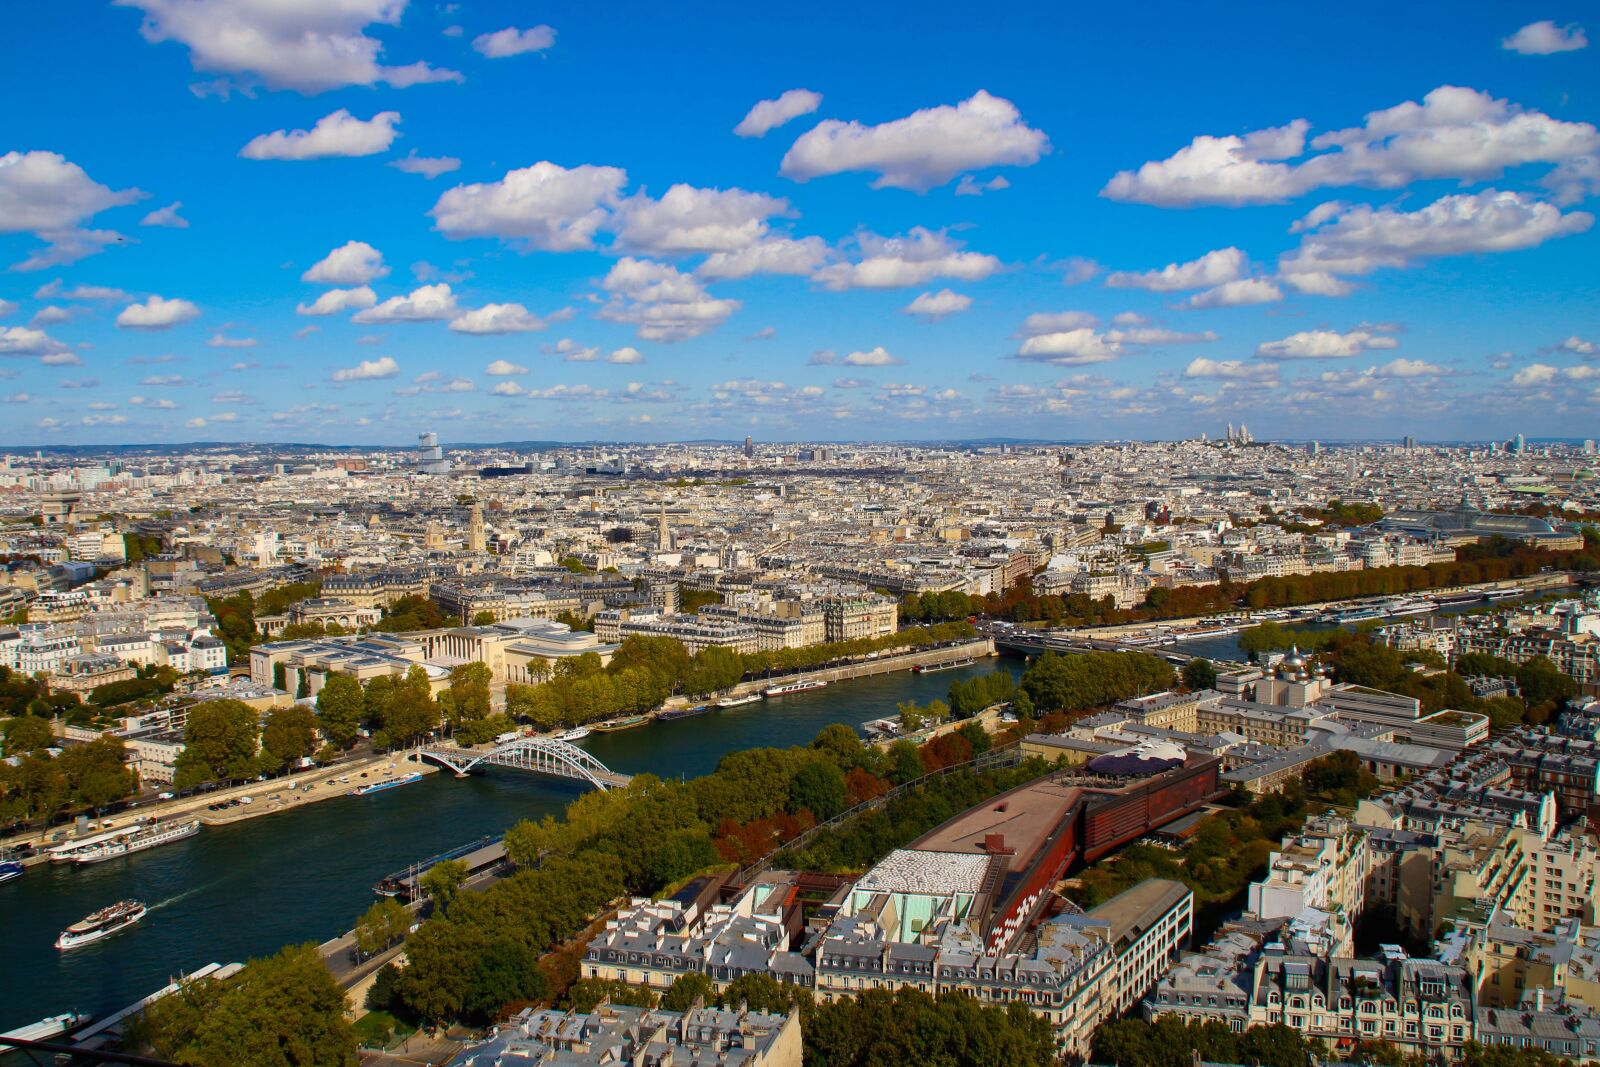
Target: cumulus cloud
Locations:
point(1233, 369)
point(53, 290)
point(1358, 239)
point(625, 354)
point(509, 389)
point(689, 219)
point(770, 114)
point(336, 300)
point(551, 208)
point(1318, 283)
point(1579, 345)
point(309, 48)
point(572, 352)
point(1535, 374)
point(1409, 368)
point(157, 313)
point(504, 368)
point(49, 315)
point(937, 305)
point(1240, 293)
point(1069, 348)
point(662, 302)
point(498, 319)
point(1546, 38)
point(368, 370)
point(1042, 322)
point(923, 150)
point(427, 303)
point(1454, 133)
point(47, 195)
point(338, 134)
point(25, 341)
point(873, 357)
point(429, 167)
point(166, 216)
point(899, 262)
point(1211, 269)
point(514, 42)
point(1324, 344)
point(771, 255)
point(352, 263)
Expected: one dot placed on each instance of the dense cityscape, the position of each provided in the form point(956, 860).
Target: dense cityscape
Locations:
point(567, 535)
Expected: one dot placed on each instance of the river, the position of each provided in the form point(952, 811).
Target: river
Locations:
point(1226, 646)
point(232, 892)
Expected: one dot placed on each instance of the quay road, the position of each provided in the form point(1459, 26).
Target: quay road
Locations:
point(1037, 642)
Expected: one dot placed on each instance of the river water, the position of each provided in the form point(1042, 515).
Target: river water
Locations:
point(232, 892)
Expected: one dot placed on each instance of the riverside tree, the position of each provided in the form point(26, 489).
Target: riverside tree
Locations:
point(220, 744)
point(340, 705)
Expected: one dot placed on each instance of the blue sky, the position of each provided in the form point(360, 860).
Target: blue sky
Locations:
point(1059, 221)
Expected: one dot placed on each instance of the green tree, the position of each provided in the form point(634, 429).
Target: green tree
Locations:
point(97, 772)
point(26, 733)
point(976, 736)
point(281, 1011)
point(288, 735)
point(1539, 680)
point(339, 709)
point(484, 618)
point(1200, 673)
point(760, 992)
point(586, 994)
point(818, 787)
point(467, 699)
point(219, 744)
point(904, 762)
point(686, 989)
point(443, 880)
point(382, 925)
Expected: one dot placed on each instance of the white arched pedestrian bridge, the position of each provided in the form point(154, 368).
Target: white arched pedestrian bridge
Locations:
point(542, 755)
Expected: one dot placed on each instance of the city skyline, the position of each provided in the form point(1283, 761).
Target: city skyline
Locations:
point(352, 226)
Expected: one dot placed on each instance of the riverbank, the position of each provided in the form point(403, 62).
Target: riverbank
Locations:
point(1531, 584)
point(965, 651)
point(266, 798)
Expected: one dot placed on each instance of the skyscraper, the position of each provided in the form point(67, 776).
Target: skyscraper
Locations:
point(749, 448)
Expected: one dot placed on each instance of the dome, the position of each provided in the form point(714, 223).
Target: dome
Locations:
point(1147, 757)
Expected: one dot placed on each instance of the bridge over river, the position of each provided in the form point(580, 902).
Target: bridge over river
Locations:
point(542, 755)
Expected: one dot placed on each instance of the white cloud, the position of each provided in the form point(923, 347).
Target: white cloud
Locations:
point(874, 357)
point(61, 359)
point(923, 150)
point(770, 114)
point(1454, 133)
point(54, 289)
point(508, 389)
point(552, 208)
point(1240, 293)
point(1535, 374)
point(514, 42)
point(427, 303)
point(938, 305)
point(223, 341)
point(1213, 268)
point(1545, 38)
point(625, 354)
point(429, 167)
point(1069, 348)
point(166, 216)
point(18, 398)
point(24, 341)
point(1358, 239)
point(164, 381)
point(504, 368)
point(1579, 345)
point(338, 134)
point(1318, 283)
point(1042, 322)
point(572, 351)
point(352, 263)
point(308, 47)
point(1156, 335)
point(157, 313)
point(498, 319)
point(970, 186)
point(336, 300)
point(689, 219)
point(368, 370)
point(1234, 369)
point(47, 195)
point(772, 255)
point(1410, 368)
point(898, 262)
point(663, 303)
point(9, 307)
point(1324, 344)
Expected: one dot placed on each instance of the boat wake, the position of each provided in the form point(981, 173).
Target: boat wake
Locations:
point(191, 891)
